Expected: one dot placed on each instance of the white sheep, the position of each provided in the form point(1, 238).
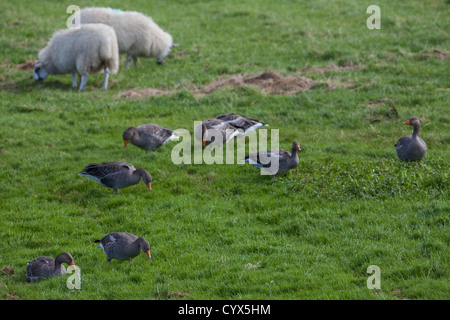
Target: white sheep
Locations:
point(137, 34)
point(90, 49)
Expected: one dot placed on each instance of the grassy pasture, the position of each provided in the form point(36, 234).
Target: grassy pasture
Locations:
point(225, 231)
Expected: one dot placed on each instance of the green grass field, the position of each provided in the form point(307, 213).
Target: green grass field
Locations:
point(225, 231)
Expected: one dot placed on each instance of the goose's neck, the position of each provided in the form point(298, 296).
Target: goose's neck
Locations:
point(416, 130)
point(137, 243)
point(137, 175)
point(56, 265)
point(136, 138)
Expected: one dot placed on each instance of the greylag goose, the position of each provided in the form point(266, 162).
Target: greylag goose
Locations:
point(286, 160)
point(117, 175)
point(241, 122)
point(148, 136)
point(209, 129)
point(411, 148)
point(123, 246)
point(44, 267)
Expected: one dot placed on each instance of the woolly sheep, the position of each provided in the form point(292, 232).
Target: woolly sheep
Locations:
point(86, 50)
point(137, 34)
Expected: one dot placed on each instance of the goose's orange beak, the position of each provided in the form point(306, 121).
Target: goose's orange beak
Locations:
point(125, 142)
point(298, 147)
point(407, 122)
point(148, 254)
point(149, 185)
point(73, 265)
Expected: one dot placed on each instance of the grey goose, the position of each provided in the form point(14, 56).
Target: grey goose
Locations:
point(241, 122)
point(123, 246)
point(45, 267)
point(411, 148)
point(215, 132)
point(148, 136)
point(116, 175)
point(264, 160)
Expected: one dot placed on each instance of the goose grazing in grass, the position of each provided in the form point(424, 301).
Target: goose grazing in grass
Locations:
point(241, 122)
point(45, 267)
point(209, 129)
point(148, 136)
point(123, 246)
point(411, 148)
point(264, 160)
point(117, 175)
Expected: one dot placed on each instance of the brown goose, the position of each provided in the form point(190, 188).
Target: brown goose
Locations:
point(117, 175)
point(209, 129)
point(148, 136)
point(123, 246)
point(241, 122)
point(286, 160)
point(411, 148)
point(44, 267)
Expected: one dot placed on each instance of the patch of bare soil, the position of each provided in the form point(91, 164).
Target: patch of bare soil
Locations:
point(381, 110)
point(26, 66)
point(7, 270)
point(441, 55)
point(176, 294)
point(268, 82)
point(436, 54)
point(333, 67)
point(143, 93)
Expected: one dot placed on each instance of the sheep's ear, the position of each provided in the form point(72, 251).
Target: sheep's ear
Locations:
point(174, 45)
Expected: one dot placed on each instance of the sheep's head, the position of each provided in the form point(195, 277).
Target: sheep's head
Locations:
point(163, 56)
point(40, 73)
point(166, 51)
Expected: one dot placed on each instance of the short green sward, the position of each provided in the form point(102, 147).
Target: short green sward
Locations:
point(226, 231)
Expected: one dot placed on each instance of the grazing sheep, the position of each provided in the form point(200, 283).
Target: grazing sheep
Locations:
point(137, 34)
point(87, 50)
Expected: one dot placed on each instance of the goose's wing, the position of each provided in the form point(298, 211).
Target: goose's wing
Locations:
point(107, 171)
point(241, 122)
point(161, 135)
point(104, 169)
point(403, 142)
point(39, 268)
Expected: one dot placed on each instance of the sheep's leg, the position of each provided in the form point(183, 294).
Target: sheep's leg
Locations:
point(129, 58)
point(105, 78)
point(74, 80)
point(128, 61)
point(84, 78)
